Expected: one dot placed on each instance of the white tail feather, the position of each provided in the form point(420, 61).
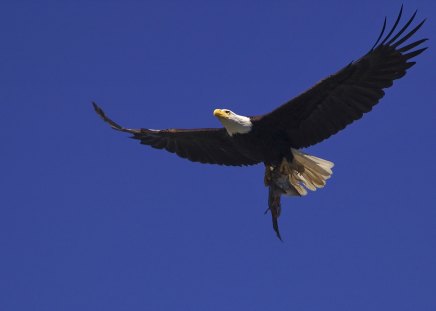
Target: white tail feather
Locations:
point(294, 180)
point(316, 172)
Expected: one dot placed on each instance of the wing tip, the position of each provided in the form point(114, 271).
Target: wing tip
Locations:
point(397, 39)
point(111, 123)
point(98, 110)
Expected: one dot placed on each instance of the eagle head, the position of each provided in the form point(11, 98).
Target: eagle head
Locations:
point(233, 123)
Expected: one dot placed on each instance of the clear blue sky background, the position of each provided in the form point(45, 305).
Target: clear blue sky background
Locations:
point(90, 220)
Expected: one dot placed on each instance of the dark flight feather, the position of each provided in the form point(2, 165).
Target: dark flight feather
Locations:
point(208, 145)
point(345, 96)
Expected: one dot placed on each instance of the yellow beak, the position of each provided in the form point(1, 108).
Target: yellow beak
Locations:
point(219, 113)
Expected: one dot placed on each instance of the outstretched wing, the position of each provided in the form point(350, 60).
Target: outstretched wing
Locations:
point(212, 146)
point(338, 100)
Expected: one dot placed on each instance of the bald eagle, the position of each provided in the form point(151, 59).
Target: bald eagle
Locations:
point(276, 137)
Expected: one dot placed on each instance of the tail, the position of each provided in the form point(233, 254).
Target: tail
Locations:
point(309, 172)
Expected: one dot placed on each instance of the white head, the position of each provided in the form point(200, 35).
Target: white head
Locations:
point(234, 124)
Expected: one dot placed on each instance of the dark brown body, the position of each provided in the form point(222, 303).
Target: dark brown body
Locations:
point(263, 145)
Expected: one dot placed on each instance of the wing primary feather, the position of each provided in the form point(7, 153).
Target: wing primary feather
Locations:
point(380, 36)
point(414, 53)
point(409, 34)
point(411, 45)
point(112, 123)
point(402, 29)
point(393, 27)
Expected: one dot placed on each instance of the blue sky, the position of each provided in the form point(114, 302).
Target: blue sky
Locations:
point(91, 220)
